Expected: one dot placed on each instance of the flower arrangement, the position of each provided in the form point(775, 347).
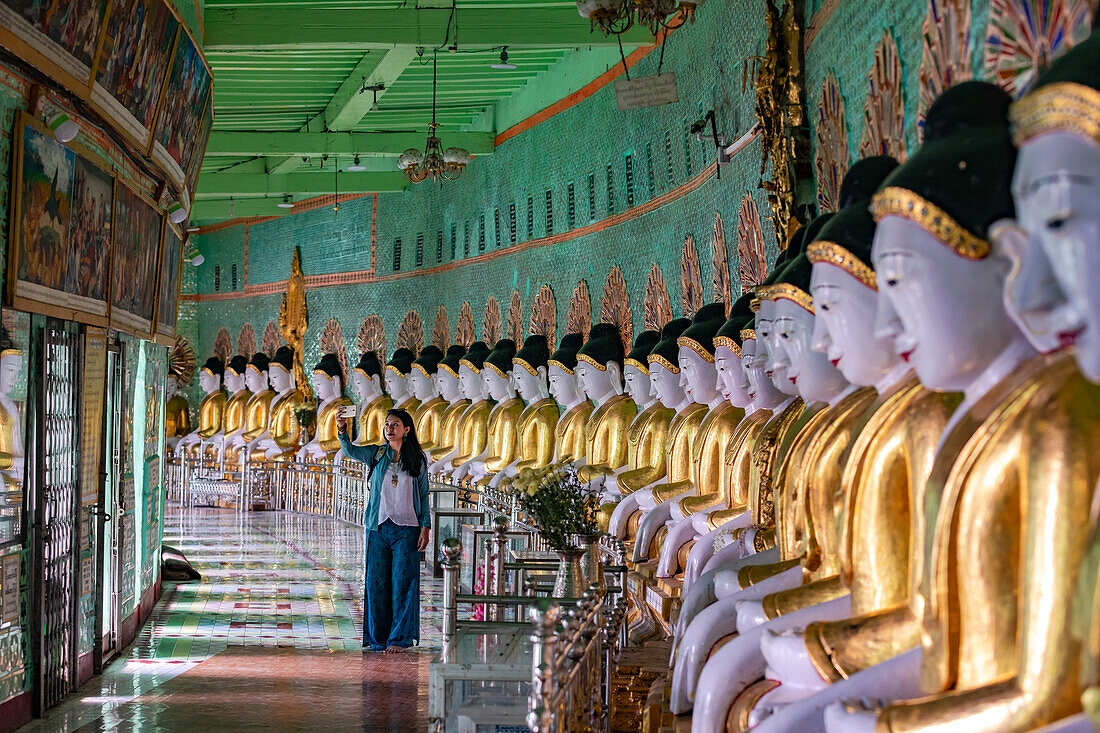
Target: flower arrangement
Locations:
point(305, 414)
point(558, 503)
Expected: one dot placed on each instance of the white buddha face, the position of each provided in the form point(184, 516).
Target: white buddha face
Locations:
point(395, 383)
point(751, 372)
point(844, 326)
point(470, 383)
point(421, 385)
point(666, 385)
point(636, 384)
point(281, 378)
point(697, 376)
point(1057, 192)
point(366, 387)
point(209, 382)
point(171, 384)
point(497, 387)
point(767, 349)
point(325, 387)
point(234, 382)
point(809, 371)
point(530, 386)
point(254, 379)
point(448, 386)
point(944, 311)
point(563, 385)
point(730, 375)
point(10, 367)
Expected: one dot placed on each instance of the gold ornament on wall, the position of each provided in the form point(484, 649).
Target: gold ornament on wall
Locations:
point(658, 308)
point(1022, 37)
point(181, 360)
point(544, 316)
point(246, 341)
point(441, 329)
point(464, 329)
point(490, 322)
point(691, 279)
point(945, 52)
point(332, 342)
point(294, 320)
point(223, 344)
point(579, 318)
point(272, 339)
point(720, 266)
point(514, 328)
point(883, 110)
point(831, 150)
point(752, 260)
point(410, 334)
point(615, 305)
point(372, 336)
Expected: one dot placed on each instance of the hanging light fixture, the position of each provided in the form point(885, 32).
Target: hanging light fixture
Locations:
point(434, 162)
point(614, 17)
point(286, 203)
point(503, 63)
point(357, 166)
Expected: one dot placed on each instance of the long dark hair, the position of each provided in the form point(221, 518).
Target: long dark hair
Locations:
point(412, 455)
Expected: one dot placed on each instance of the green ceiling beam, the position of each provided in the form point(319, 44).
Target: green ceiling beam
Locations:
point(220, 185)
point(260, 143)
point(222, 209)
point(267, 27)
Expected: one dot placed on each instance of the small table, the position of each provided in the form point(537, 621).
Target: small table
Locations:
point(485, 670)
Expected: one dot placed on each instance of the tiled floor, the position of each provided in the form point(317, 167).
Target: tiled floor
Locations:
point(269, 639)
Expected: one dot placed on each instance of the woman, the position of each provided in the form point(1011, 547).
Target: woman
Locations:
point(397, 520)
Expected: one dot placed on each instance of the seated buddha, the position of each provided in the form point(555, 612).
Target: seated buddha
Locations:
point(503, 422)
point(280, 440)
point(328, 386)
point(537, 423)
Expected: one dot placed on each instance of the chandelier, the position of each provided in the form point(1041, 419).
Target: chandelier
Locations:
point(434, 162)
point(615, 17)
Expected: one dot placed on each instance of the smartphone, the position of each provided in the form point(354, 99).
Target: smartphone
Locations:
point(348, 412)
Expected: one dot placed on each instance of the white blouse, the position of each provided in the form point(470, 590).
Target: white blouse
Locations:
point(397, 500)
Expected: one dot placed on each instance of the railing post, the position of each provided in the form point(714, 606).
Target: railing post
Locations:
point(452, 559)
point(500, 549)
point(544, 615)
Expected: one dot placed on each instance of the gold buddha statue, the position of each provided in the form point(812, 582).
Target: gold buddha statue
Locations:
point(473, 425)
point(599, 375)
point(502, 425)
point(569, 435)
point(11, 444)
point(238, 397)
point(211, 409)
point(535, 430)
point(257, 411)
point(451, 393)
point(328, 386)
point(280, 441)
point(423, 385)
point(396, 378)
point(177, 413)
point(374, 403)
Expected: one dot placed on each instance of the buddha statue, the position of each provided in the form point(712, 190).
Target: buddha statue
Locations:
point(446, 380)
point(699, 379)
point(473, 425)
point(211, 409)
point(422, 384)
point(257, 411)
point(569, 443)
point(12, 455)
point(674, 463)
point(396, 379)
point(177, 413)
point(537, 422)
point(1008, 495)
point(280, 440)
point(328, 386)
point(238, 395)
point(599, 374)
point(503, 422)
point(374, 403)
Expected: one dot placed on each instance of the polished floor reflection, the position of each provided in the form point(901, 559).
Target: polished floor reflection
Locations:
point(268, 639)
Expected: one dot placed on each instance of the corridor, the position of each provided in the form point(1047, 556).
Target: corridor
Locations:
point(268, 639)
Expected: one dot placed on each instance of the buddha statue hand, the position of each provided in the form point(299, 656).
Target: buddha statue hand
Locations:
point(853, 716)
point(620, 518)
point(789, 660)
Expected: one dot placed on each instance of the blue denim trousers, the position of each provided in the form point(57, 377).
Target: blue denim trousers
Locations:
point(391, 612)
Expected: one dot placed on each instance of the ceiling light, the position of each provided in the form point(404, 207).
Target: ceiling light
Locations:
point(434, 162)
point(504, 65)
point(176, 213)
point(286, 202)
point(357, 166)
point(193, 255)
point(62, 127)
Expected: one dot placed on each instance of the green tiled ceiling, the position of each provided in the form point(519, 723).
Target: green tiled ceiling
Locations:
point(276, 72)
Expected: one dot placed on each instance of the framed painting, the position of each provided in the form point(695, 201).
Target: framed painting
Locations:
point(59, 247)
point(181, 108)
point(138, 38)
point(194, 166)
point(135, 254)
point(58, 37)
point(171, 257)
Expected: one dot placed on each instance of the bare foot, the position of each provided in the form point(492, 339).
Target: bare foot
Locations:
point(394, 650)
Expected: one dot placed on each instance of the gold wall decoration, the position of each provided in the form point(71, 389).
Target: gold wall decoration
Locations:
point(410, 334)
point(883, 109)
point(945, 52)
point(691, 279)
point(720, 266)
point(658, 309)
point(1022, 37)
point(441, 329)
point(181, 360)
point(294, 320)
point(332, 342)
point(223, 344)
point(246, 341)
point(615, 305)
point(544, 316)
point(464, 329)
point(831, 145)
point(490, 322)
point(272, 339)
point(579, 318)
point(372, 336)
point(752, 262)
point(514, 327)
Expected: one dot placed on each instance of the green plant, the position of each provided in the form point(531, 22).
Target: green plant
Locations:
point(559, 505)
point(305, 414)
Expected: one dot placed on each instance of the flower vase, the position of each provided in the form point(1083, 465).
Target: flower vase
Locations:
point(570, 582)
point(590, 561)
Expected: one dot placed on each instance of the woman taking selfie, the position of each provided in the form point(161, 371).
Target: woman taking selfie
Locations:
point(397, 521)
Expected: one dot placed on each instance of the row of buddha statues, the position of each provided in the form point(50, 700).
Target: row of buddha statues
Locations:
point(870, 485)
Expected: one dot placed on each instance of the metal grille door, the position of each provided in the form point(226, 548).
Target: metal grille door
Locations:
point(56, 496)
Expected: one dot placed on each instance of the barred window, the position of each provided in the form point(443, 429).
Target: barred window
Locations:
point(512, 221)
point(454, 241)
point(668, 156)
point(549, 212)
point(397, 255)
point(610, 191)
point(234, 275)
point(439, 247)
point(628, 165)
point(496, 226)
point(649, 167)
point(217, 278)
point(687, 149)
point(466, 239)
point(530, 217)
point(571, 211)
point(481, 233)
point(591, 197)
point(420, 249)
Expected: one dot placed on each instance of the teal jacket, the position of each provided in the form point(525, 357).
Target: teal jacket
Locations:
point(367, 454)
